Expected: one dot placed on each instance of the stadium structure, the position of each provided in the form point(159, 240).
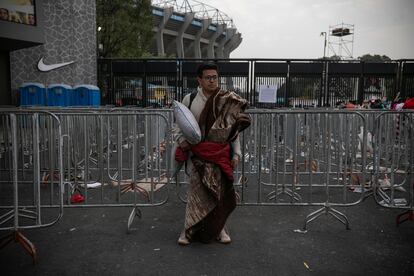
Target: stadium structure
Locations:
point(191, 29)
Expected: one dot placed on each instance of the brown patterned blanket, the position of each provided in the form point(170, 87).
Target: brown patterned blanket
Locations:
point(211, 196)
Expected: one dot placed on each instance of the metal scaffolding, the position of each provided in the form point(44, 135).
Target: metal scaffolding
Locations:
point(341, 41)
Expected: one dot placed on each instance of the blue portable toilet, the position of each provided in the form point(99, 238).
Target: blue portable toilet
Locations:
point(32, 93)
point(86, 94)
point(94, 95)
point(81, 95)
point(59, 95)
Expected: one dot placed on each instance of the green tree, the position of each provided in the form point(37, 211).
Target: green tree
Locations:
point(333, 58)
point(124, 27)
point(374, 58)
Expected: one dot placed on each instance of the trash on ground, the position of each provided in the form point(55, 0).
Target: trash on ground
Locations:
point(146, 184)
point(77, 198)
point(359, 190)
point(401, 189)
point(91, 185)
point(397, 202)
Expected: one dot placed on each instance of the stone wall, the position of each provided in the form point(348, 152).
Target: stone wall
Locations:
point(70, 35)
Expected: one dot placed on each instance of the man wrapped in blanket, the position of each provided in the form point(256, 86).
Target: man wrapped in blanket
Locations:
point(211, 196)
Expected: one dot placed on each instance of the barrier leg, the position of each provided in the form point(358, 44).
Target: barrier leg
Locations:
point(135, 212)
point(368, 193)
point(327, 210)
point(284, 191)
point(17, 236)
point(312, 216)
point(407, 215)
point(290, 193)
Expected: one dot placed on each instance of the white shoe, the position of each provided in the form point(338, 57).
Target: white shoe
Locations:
point(224, 237)
point(182, 240)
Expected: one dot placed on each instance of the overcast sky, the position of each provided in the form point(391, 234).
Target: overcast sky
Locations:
point(291, 28)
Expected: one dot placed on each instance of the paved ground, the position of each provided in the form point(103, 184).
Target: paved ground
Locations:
point(94, 242)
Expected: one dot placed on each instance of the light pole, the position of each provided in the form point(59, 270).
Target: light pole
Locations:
point(324, 46)
point(324, 98)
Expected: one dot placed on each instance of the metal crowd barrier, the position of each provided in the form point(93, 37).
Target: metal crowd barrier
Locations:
point(394, 162)
point(31, 143)
point(106, 157)
point(302, 157)
point(116, 158)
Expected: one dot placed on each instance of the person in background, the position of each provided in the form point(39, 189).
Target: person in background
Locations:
point(377, 104)
point(31, 19)
point(4, 14)
point(350, 105)
point(14, 17)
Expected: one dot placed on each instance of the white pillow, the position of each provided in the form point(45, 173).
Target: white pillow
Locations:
point(187, 123)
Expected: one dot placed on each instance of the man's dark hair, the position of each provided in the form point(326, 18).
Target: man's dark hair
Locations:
point(206, 66)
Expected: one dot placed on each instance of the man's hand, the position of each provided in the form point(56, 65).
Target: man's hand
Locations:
point(185, 146)
point(235, 161)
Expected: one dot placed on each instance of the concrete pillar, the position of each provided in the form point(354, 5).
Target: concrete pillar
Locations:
point(196, 44)
point(232, 44)
point(160, 34)
point(220, 48)
point(180, 36)
point(212, 40)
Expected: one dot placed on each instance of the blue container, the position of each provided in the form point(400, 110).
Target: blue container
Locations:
point(59, 95)
point(32, 93)
point(80, 95)
point(87, 95)
point(94, 96)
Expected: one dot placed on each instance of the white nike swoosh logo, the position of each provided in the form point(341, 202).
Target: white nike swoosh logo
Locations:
point(45, 68)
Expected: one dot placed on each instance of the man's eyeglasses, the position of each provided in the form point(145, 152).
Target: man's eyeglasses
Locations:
point(210, 78)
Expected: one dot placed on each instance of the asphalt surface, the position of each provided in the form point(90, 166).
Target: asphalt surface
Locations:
point(264, 242)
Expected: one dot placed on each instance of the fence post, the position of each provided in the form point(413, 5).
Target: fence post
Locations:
point(325, 84)
point(401, 79)
point(144, 86)
point(287, 90)
point(251, 81)
point(322, 94)
point(361, 84)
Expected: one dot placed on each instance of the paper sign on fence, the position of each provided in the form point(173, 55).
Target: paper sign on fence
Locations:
point(267, 93)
